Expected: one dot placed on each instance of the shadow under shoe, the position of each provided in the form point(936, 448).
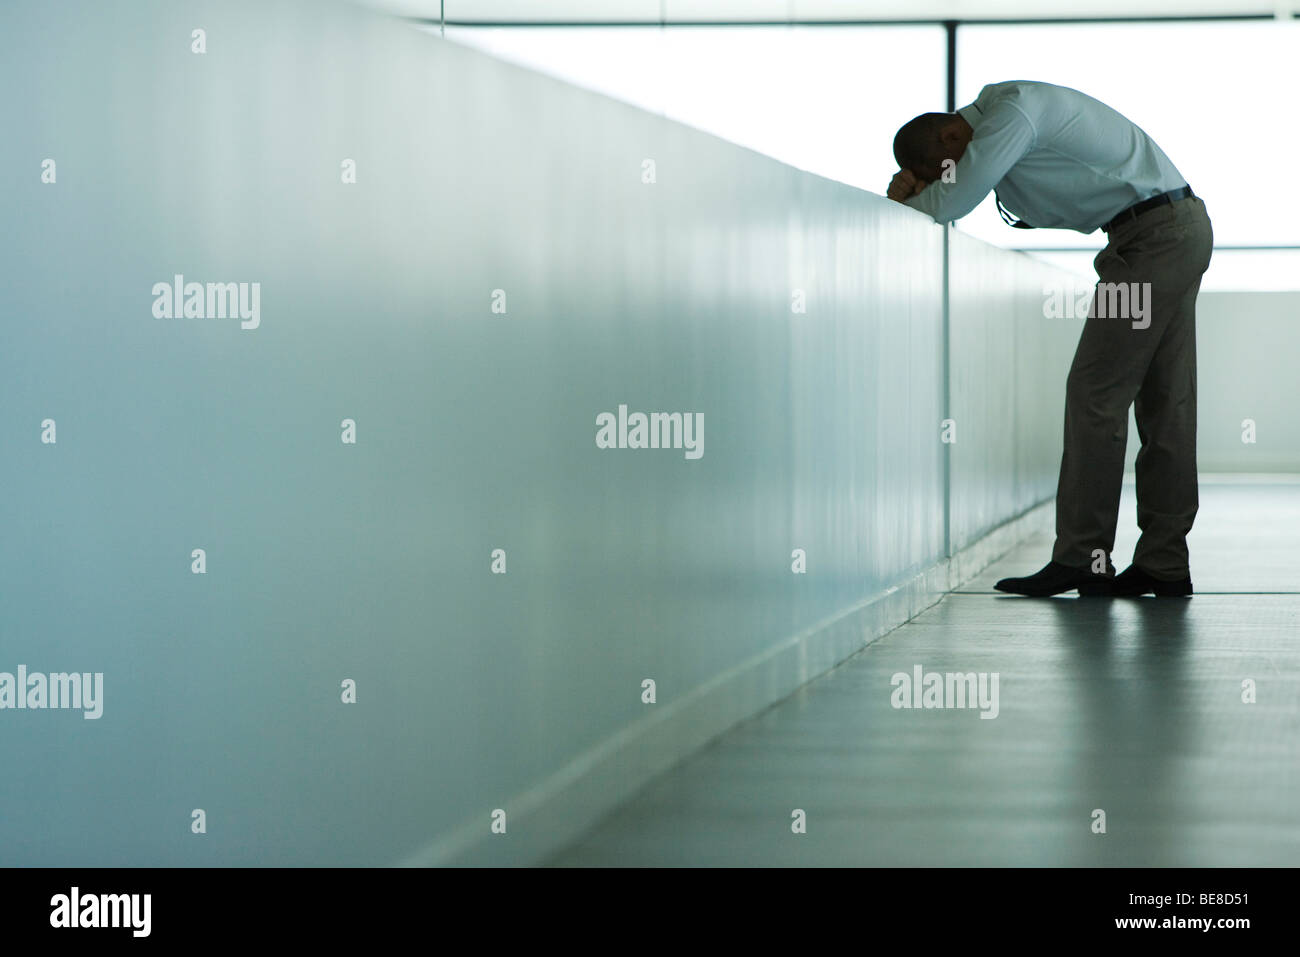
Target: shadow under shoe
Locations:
point(1054, 578)
point(1133, 582)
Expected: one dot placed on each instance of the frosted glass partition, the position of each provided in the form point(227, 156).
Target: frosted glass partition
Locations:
point(341, 537)
point(1009, 357)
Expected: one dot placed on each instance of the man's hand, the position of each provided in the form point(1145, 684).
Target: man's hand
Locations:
point(904, 185)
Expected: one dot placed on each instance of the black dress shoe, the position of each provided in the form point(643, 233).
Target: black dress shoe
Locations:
point(1055, 578)
point(1134, 581)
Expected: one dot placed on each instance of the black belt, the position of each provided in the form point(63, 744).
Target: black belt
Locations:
point(1137, 209)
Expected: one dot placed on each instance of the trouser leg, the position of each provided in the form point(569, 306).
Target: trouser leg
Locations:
point(1165, 411)
point(1158, 262)
point(1098, 392)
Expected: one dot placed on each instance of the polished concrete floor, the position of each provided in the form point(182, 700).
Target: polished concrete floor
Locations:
point(1132, 707)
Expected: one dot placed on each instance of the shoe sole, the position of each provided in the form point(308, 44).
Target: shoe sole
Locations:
point(1107, 590)
point(1086, 590)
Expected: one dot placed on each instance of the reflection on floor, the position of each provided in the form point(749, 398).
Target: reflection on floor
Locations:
point(1131, 707)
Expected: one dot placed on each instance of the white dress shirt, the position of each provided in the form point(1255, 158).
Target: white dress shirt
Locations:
point(1057, 157)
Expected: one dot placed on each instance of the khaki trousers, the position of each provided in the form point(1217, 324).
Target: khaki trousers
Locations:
point(1138, 348)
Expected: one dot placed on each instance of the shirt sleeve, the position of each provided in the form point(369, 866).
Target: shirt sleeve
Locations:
point(1004, 135)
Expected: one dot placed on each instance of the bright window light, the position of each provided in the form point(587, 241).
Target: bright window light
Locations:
point(1219, 98)
point(826, 99)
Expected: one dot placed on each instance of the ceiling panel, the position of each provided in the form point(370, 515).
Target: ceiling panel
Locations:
point(622, 11)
